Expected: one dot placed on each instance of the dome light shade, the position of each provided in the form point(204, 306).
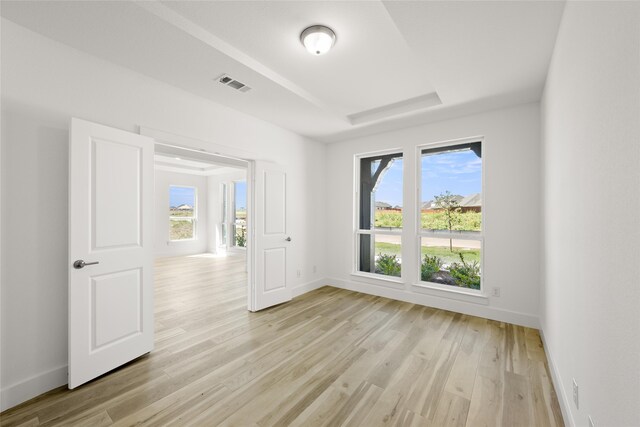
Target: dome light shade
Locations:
point(318, 39)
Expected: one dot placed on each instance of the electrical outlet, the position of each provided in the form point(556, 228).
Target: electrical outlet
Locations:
point(495, 292)
point(315, 270)
point(298, 273)
point(591, 423)
point(575, 394)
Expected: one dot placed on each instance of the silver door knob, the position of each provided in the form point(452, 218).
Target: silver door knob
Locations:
point(288, 239)
point(80, 263)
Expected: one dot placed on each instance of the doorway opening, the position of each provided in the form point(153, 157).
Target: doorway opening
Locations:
point(200, 232)
point(112, 222)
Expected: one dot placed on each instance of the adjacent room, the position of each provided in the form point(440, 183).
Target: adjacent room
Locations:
point(200, 205)
point(320, 213)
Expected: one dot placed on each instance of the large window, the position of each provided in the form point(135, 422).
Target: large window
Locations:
point(182, 213)
point(451, 215)
point(379, 230)
point(240, 213)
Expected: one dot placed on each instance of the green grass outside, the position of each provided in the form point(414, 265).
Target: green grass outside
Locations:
point(441, 252)
point(179, 212)
point(181, 230)
point(462, 221)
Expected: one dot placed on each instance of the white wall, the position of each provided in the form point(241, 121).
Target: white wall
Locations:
point(165, 247)
point(44, 83)
point(511, 155)
point(590, 299)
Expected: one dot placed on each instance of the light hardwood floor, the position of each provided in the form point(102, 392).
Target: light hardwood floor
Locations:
point(330, 357)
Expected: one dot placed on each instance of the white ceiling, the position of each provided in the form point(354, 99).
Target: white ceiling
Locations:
point(268, 32)
point(171, 163)
point(394, 64)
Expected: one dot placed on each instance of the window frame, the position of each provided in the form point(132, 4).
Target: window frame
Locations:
point(193, 218)
point(440, 234)
point(357, 232)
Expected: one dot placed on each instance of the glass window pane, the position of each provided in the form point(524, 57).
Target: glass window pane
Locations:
point(380, 254)
point(182, 201)
point(240, 202)
point(240, 214)
point(381, 192)
point(240, 235)
point(452, 189)
point(182, 211)
point(223, 231)
point(181, 229)
point(452, 262)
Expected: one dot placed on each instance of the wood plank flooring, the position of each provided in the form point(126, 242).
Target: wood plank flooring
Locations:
point(328, 358)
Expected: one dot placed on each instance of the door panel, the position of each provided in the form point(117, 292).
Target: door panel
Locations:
point(116, 214)
point(110, 226)
point(271, 245)
point(275, 190)
point(275, 269)
point(110, 290)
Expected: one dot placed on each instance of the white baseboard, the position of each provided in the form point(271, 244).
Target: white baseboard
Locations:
point(28, 389)
point(458, 306)
point(308, 287)
point(563, 399)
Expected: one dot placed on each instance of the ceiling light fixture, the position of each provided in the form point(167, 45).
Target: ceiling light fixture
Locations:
point(318, 39)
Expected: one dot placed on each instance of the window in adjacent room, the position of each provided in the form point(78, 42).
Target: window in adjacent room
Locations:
point(223, 222)
point(240, 213)
point(182, 213)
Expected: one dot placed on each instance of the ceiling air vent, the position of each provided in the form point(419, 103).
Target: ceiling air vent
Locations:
point(227, 80)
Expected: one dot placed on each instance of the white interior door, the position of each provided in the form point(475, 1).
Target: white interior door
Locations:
point(110, 249)
point(272, 243)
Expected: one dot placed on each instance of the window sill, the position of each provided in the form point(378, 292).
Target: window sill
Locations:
point(446, 291)
point(378, 279)
point(173, 242)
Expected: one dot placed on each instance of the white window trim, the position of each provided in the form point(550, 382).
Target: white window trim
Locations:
point(356, 225)
point(379, 280)
point(481, 293)
point(224, 222)
point(194, 218)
